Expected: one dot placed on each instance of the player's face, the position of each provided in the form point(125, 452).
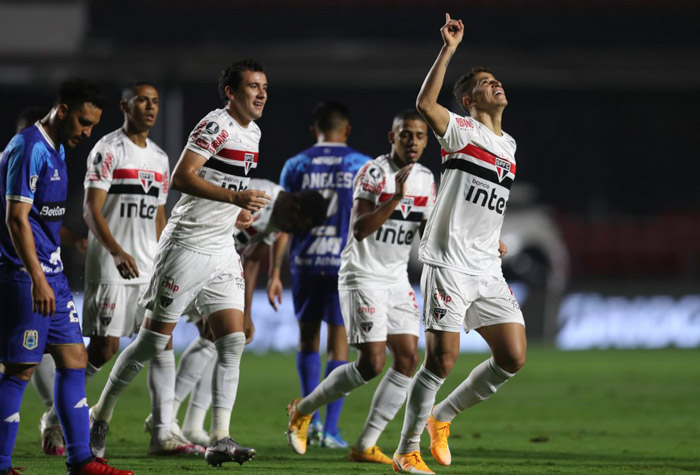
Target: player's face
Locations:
point(487, 91)
point(249, 99)
point(408, 139)
point(142, 109)
point(77, 123)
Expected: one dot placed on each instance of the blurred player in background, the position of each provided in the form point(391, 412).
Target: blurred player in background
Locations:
point(393, 196)
point(286, 213)
point(196, 258)
point(328, 167)
point(39, 312)
point(462, 281)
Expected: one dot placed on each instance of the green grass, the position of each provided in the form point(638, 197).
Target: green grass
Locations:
point(601, 412)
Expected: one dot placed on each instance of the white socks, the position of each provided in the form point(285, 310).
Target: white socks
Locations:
point(90, 371)
point(229, 349)
point(200, 400)
point(161, 385)
point(421, 397)
point(195, 362)
point(42, 379)
point(146, 345)
point(388, 399)
point(337, 384)
point(482, 382)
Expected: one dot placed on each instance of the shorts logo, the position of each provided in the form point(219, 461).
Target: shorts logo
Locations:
point(502, 168)
point(438, 313)
point(406, 205)
point(366, 326)
point(165, 300)
point(32, 182)
point(146, 179)
point(105, 321)
point(31, 339)
point(169, 283)
point(366, 309)
point(248, 161)
point(441, 296)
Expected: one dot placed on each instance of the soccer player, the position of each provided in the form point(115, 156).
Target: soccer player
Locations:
point(462, 281)
point(286, 213)
point(196, 259)
point(393, 196)
point(328, 167)
point(39, 312)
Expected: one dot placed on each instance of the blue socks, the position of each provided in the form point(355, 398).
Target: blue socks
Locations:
point(11, 392)
point(73, 412)
point(333, 409)
point(309, 369)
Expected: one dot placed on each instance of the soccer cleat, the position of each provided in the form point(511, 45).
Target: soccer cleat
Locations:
point(439, 433)
point(52, 442)
point(372, 455)
point(228, 450)
point(410, 463)
point(315, 433)
point(97, 466)
point(98, 436)
point(197, 437)
point(298, 427)
point(334, 441)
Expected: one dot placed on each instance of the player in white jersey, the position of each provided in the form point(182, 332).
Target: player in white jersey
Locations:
point(196, 259)
point(392, 198)
point(462, 282)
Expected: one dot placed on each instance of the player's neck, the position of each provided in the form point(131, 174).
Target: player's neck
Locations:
point(491, 119)
point(397, 160)
point(238, 117)
point(51, 129)
point(138, 137)
point(331, 137)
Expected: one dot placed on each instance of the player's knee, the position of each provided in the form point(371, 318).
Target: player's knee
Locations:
point(98, 355)
point(371, 365)
point(440, 364)
point(511, 361)
point(406, 364)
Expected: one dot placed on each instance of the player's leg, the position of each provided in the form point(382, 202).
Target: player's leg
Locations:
point(200, 401)
point(100, 350)
point(105, 319)
point(52, 442)
point(13, 382)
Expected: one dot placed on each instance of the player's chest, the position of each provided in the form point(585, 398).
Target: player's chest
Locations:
point(52, 182)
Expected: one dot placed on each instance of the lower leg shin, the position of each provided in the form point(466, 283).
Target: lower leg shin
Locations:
point(229, 349)
point(421, 396)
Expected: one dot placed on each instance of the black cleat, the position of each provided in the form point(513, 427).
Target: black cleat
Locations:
point(228, 450)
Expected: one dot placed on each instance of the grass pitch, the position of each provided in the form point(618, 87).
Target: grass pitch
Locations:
point(601, 412)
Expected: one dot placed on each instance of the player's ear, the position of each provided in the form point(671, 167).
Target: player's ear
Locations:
point(123, 106)
point(61, 111)
point(228, 92)
point(348, 128)
point(391, 137)
point(314, 132)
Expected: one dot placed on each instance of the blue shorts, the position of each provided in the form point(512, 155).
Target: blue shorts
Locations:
point(25, 334)
point(316, 298)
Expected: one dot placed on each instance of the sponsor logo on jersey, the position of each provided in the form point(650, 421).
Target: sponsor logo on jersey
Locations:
point(165, 300)
point(439, 313)
point(137, 210)
point(481, 197)
point(405, 205)
point(366, 309)
point(31, 339)
point(52, 211)
point(13, 418)
point(366, 326)
point(146, 179)
point(248, 160)
point(399, 236)
point(212, 128)
point(56, 176)
point(169, 283)
point(327, 160)
point(32, 182)
point(218, 141)
point(464, 123)
point(502, 168)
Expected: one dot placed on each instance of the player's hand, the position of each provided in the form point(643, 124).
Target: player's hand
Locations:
point(400, 180)
point(274, 289)
point(453, 31)
point(502, 248)
point(244, 219)
point(126, 264)
point(248, 330)
point(252, 200)
point(81, 245)
point(43, 299)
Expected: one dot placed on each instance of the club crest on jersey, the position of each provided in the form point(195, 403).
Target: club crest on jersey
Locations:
point(31, 339)
point(502, 168)
point(438, 313)
point(405, 206)
point(366, 326)
point(248, 161)
point(146, 179)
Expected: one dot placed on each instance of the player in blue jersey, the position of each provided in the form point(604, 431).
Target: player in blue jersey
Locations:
point(328, 167)
point(39, 312)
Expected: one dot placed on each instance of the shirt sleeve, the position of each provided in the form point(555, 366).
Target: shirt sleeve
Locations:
point(369, 183)
point(101, 164)
point(165, 187)
point(460, 132)
point(23, 169)
point(432, 194)
point(207, 138)
point(288, 176)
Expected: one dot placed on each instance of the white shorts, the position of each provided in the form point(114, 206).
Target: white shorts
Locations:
point(112, 309)
point(372, 314)
point(452, 300)
point(182, 277)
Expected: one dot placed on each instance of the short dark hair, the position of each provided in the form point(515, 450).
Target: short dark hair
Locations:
point(28, 116)
point(313, 204)
point(464, 83)
point(129, 90)
point(330, 115)
point(232, 75)
point(77, 91)
point(408, 114)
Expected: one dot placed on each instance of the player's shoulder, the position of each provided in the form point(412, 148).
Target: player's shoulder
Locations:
point(355, 159)
point(465, 122)
point(381, 164)
point(111, 140)
point(159, 152)
point(419, 169)
point(509, 139)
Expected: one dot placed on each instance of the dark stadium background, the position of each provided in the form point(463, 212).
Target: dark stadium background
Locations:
point(604, 99)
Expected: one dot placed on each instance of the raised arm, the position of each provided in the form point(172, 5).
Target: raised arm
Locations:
point(436, 115)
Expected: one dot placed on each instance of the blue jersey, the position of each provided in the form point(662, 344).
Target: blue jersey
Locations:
point(328, 168)
point(33, 171)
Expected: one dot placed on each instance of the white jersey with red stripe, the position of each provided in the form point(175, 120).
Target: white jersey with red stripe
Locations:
point(262, 229)
point(231, 151)
point(381, 259)
point(136, 181)
point(464, 228)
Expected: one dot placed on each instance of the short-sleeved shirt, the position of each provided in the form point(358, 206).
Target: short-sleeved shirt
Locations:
point(381, 259)
point(136, 181)
point(231, 150)
point(328, 168)
point(263, 228)
point(33, 170)
point(463, 230)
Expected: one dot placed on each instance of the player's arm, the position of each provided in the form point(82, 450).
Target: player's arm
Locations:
point(186, 179)
point(366, 218)
point(17, 221)
point(502, 248)
point(95, 220)
point(274, 282)
point(160, 221)
point(69, 238)
point(436, 115)
point(251, 267)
